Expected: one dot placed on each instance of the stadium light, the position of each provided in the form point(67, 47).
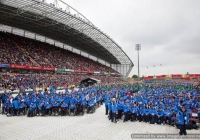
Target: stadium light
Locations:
point(138, 48)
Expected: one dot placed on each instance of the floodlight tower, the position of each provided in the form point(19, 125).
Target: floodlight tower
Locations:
point(138, 48)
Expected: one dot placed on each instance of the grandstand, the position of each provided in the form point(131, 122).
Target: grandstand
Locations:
point(40, 43)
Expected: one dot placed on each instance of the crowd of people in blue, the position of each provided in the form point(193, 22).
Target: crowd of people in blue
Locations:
point(52, 103)
point(155, 104)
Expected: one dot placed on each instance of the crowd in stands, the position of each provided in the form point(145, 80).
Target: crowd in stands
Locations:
point(156, 104)
point(25, 51)
point(9, 53)
point(32, 81)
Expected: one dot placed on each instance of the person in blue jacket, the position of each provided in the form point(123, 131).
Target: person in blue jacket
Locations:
point(40, 108)
point(8, 107)
point(52, 100)
point(120, 105)
point(126, 110)
point(72, 107)
point(22, 107)
point(109, 109)
point(98, 99)
point(167, 114)
point(114, 109)
point(15, 106)
point(47, 107)
point(64, 108)
point(106, 99)
point(134, 111)
point(197, 107)
point(152, 115)
point(159, 116)
point(90, 105)
point(28, 101)
point(31, 109)
point(183, 120)
point(146, 113)
point(140, 115)
point(79, 104)
point(55, 108)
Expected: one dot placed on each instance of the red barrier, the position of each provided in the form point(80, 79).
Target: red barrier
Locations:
point(18, 66)
point(83, 71)
point(177, 76)
point(161, 76)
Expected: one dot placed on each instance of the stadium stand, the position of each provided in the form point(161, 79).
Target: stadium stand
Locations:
point(31, 81)
point(24, 51)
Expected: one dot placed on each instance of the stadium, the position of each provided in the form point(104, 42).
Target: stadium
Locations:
point(63, 78)
point(72, 34)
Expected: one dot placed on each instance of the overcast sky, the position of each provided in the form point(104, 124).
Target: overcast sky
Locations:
point(168, 31)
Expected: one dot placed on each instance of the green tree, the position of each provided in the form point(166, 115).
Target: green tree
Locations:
point(134, 76)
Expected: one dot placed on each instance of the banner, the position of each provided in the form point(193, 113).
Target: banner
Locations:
point(96, 72)
point(30, 67)
point(146, 78)
point(176, 76)
point(105, 73)
point(101, 72)
point(4, 65)
point(60, 70)
point(150, 77)
point(83, 71)
point(161, 76)
point(69, 70)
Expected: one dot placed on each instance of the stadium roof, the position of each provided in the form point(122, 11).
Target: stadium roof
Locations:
point(72, 29)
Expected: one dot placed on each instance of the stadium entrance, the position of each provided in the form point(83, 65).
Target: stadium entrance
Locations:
point(90, 81)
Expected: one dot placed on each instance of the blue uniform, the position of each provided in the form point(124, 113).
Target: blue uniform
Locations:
point(64, 105)
point(15, 104)
point(120, 104)
point(146, 111)
point(181, 118)
point(22, 105)
point(114, 107)
point(72, 106)
point(33, 106)
point(134, 109)
point(126, 107)
point(106, 99)
point(91, 103)
point(160, 113)
point(47, 106)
